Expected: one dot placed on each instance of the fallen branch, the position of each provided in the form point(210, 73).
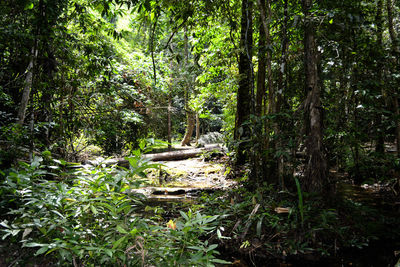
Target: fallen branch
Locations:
point(174, 155)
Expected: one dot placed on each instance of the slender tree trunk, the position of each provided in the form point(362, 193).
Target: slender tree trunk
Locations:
point(27, 85)
point(189, 129)
point(197, 127)
point(190, 121)
point(153, 30)
point(261, 74)
point(395, 54)
point(244, 93)
point(271, 93)
point(380, 140)
point(280, 91)
point(315, 174)
point(265, 17)
point(169, 138)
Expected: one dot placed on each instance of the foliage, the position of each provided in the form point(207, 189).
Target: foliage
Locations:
point(283, 227)
point(83, 216)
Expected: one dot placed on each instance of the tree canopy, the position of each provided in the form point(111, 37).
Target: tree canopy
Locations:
point(305, 92)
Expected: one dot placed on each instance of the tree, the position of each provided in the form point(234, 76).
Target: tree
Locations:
point(395, 51)
point(315, 174)
point(245, 93)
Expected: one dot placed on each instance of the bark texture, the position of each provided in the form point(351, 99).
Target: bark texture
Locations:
point(27, 87)
point(244, 93)
point(262, 49)
point(380, 140)
point(189, 129)
point(169, 122)
point(395, 54)
point(316, 169)
point(190, 120)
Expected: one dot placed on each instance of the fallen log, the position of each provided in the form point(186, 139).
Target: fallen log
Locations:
point(180, 154)
point(174, 155)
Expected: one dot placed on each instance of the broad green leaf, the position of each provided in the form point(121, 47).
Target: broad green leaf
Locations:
point(93, 209)
point(109, 252)
point(34, 244)
point(29, 6)
point(4, 224)
point(220, 261)
point(117, 243)
point(27, 231)
point(41, 250)
point(121, 229)
point(212, 247)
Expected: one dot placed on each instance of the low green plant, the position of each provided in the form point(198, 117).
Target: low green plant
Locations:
point(300, 196)
point(183, 243)
point(81, 216)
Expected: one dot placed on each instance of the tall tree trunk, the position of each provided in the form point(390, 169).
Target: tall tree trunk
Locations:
point(244, 93)
point(27, 85)
point(395, 54)
point(380, 141)
point(316, 169)
point(262, 47)
point(265, 37)
point(190, 121)
point(169, 137)
point(189, 129)
point(279, 94)
point(152, 37)
point(197, 127)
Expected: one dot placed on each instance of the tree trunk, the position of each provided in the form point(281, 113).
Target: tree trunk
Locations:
point(380, 140)
point(279, 93)
point(166, 156)
point(189, 129)
point(152, 35)
point(395, 54)
point(189, 113)
point(266, 60)
point(315, 173)
point(262, 47)
point(169, 137)
point(244, 93)
point(27, 85)
point(197, 127)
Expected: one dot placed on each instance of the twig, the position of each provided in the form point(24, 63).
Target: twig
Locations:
point(249, 220)
point(175, 31)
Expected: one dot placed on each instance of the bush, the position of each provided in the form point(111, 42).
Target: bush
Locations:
point(83, 216)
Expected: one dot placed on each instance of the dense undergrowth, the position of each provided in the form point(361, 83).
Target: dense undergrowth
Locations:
point(280, 225)
point(71, 215)
point(66, 214)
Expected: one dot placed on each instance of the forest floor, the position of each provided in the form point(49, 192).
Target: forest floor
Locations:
point(283, 240)
point(185, 178)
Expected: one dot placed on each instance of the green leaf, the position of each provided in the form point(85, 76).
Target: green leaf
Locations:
point(331, 21)
point(117, 243)
point(184, 215)
point(121, 229)
point(212, 247)
point(259, 227)
point(109, 252)
point(27, 231)
point(93, 209)
point(58, 213)
point(4, 224)
point(28, 6)
point(41, 250)
point(220, 261)
point(195, 248)
point(33, 244)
